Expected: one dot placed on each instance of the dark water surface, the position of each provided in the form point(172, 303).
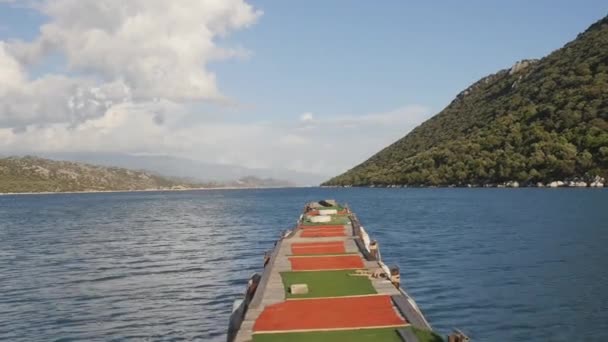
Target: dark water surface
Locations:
point(505, 265)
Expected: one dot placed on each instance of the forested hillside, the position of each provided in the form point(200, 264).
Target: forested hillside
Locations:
point(539, 121)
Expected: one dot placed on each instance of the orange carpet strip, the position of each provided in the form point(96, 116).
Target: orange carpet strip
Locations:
point(318, 263)
point(330, 313)
point(322, 233)
point(325, 226)
point(336, 247)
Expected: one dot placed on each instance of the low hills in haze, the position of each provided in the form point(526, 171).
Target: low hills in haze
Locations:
point(540, 121)
point(194, 170)
point(33, 174)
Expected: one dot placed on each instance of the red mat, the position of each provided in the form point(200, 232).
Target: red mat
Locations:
point(323, 233)
point(336, 247)
point(330, 313)
point(317, 263)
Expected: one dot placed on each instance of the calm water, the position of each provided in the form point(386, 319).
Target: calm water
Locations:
point(505, 265)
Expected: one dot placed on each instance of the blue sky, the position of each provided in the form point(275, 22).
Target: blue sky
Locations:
point(372, 70)
point(357, 57)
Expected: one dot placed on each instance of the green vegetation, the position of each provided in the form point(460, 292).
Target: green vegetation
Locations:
point(328, 283)
point(540, 121)
point(335, 220)
point(31, 174)
point(359, 335)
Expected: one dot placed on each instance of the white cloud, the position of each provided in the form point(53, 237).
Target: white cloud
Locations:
point(147, 49)
point(293, 139)
point(306, 117)
point(406, 114)
point(135, 72)
point(352, 139)
point(332, 145)
point(51, 98)
point(12, 74)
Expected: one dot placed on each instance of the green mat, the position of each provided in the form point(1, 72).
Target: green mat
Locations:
point(359, 335)
point(426, 336)
point(328, 283)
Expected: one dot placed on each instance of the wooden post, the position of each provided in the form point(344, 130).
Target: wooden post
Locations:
point(395, 276)
point(266, 257)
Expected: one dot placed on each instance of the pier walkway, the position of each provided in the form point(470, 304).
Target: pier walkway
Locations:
point(342, 300)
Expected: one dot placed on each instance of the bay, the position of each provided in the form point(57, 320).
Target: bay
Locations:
point(501, 264)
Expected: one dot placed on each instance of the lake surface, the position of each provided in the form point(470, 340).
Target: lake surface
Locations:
point(502, 264)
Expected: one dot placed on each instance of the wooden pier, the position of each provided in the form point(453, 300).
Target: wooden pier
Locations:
point(322, 283)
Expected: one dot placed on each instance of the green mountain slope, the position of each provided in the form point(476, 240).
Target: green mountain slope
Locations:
point(32, 174)
point(539, 121)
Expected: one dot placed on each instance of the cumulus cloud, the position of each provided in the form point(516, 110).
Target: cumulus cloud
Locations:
point(12, 73)
point(51, 98)
point(122, 51)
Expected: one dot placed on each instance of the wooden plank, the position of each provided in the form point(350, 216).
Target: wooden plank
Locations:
point(364, 250)
point(259, 294)
point(413, 316)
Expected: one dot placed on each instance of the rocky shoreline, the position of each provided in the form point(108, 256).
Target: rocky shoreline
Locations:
point(595, 182)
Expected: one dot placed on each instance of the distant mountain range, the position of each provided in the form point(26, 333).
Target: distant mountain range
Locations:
point(34, 174)
point(538, 122)
point(195, 171)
